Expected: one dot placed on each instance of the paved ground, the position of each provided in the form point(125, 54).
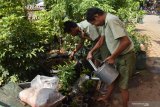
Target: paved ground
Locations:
point(145, 86)
point(151, 27)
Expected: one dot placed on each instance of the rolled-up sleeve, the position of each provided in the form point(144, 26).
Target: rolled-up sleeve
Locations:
point(101, 30)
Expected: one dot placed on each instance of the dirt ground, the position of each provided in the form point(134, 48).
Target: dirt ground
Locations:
point(148, 82)
point(144, 87)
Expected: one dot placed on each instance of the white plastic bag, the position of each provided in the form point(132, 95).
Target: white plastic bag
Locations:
point(45, 82)
point(28, 96)
point(45, 97)
point(42, 93)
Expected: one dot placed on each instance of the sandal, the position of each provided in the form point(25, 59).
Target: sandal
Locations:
point(103, 99)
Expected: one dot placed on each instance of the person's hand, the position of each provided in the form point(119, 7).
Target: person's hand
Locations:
point(110, 60)
point(89, 56)
point(82, 34)
point(72, 55)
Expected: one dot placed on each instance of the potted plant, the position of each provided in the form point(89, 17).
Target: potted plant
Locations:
point(140, 16)
point(141, 43)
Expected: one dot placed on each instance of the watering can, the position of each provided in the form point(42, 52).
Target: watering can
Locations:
point(105, 72)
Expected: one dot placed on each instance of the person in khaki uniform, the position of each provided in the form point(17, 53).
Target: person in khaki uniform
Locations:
point(85, 30)
point(120, 46)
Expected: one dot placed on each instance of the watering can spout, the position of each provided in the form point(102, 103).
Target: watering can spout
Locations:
point(94, 67)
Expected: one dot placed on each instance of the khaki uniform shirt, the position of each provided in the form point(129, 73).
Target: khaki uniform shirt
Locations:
point(92, 31)
point(114, 29)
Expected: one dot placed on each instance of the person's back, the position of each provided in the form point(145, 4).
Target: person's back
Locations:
point(89, 29)
point(85, 30)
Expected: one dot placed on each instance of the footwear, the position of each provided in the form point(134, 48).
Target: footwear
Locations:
point(102, 98)
point(103, 92)
point(104, 102)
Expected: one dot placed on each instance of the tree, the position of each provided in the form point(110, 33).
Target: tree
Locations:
point(20, 43)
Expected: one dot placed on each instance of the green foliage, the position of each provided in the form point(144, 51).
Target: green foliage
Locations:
point(21, 42)
point(9, 7)
point(67, 76)
point(30, 1)
point(4, 73)
point(50, 22)
point(130, 12)
point(87, 85)
point(49, 3)
point(19, 45)
point(138, 38)
point(117, 4)
point(62, 10)
point(75, 9)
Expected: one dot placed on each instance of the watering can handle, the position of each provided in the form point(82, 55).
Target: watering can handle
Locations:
point(90, 61)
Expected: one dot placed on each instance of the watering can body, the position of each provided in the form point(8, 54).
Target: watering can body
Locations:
point(106, 72)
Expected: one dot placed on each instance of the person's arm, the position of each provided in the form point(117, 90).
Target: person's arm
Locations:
point(124, 43)
point(80, 44)
point(120, 34)
point(98, 45)
point(84, 35)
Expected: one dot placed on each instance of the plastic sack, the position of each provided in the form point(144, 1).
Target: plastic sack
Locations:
point(44, 97)
point(45, 82)
point(28, 96)
point(48, 98)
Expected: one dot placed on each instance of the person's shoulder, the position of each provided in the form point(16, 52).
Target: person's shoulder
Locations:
point(111, 17)
point(84, 24)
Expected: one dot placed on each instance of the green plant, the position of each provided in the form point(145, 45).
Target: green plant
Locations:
point(21, 43)
point(86, 71)
point(4, 73)
point(138, 38)
point(87, 85)
point(130, 12)
point(67, 76)
point(78, 8)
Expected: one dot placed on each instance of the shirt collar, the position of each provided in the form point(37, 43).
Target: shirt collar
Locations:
point(106, 21)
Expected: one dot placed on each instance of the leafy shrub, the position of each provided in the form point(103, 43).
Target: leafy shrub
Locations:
point(138, 38)
point(21, 43)
point(67, 76)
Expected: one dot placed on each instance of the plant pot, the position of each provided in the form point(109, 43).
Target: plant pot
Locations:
point(140, 20)
point(141, 60)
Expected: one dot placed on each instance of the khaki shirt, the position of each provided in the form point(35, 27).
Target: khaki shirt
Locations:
point(114, 29)
point(92, 31)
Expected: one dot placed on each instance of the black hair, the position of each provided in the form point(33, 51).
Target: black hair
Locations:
point(91, 12)
point(68, 25)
